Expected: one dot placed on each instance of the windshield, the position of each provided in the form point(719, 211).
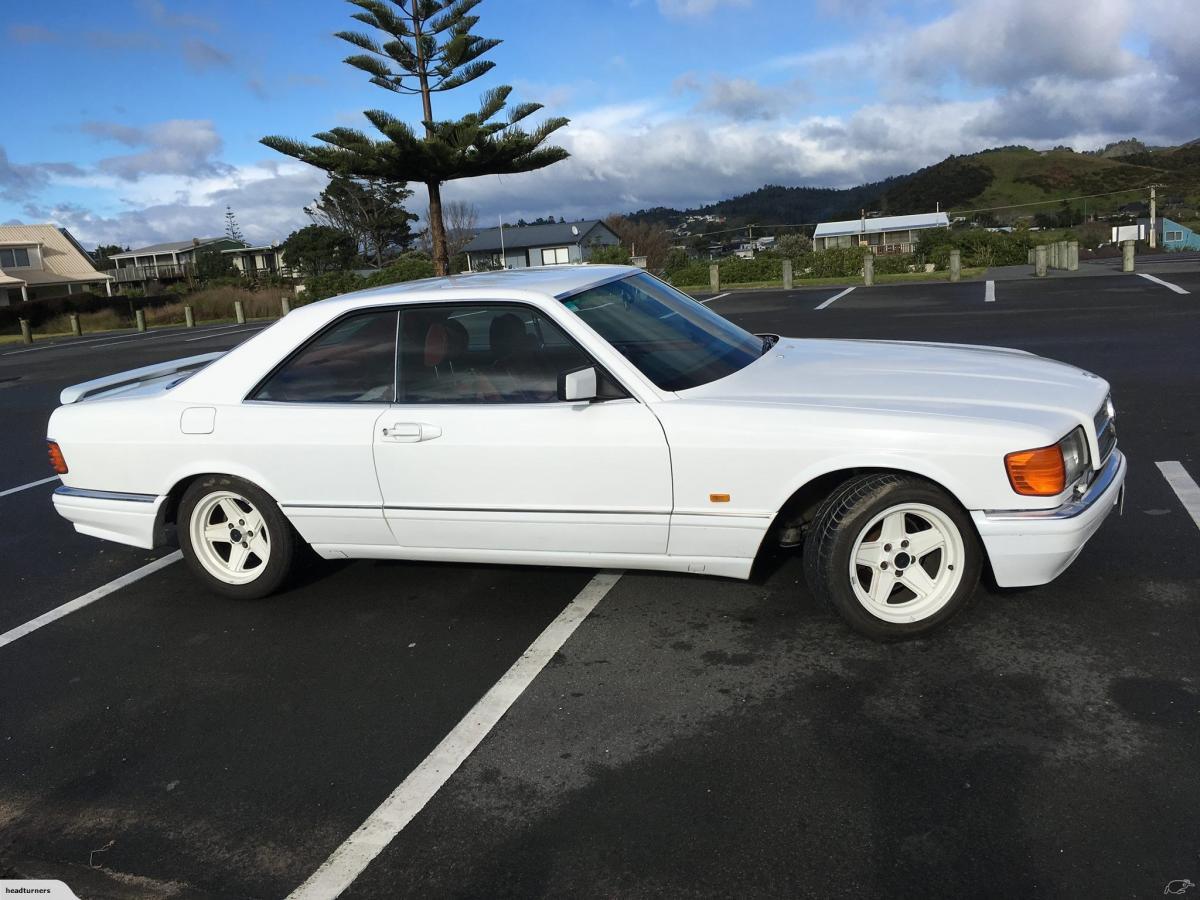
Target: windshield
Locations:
point(674, 341)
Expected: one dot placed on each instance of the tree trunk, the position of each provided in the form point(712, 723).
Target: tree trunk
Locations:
point(437, 230)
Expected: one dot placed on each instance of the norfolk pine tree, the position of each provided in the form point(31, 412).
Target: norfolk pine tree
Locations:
point(429, 49)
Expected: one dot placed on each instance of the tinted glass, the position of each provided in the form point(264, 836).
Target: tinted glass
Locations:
point(485, 353)
point(354, 361)
point(676, 342)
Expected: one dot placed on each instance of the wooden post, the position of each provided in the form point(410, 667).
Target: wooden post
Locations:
point(26, 332)
point(1039, 261)
point(75, 329)
point(868, 269)
point(189, 317)
point(1127, 256)
point(955, 265)
point(284, 307)
point(714, 277)
point(139, 317)
point(787, 274)
point(238, 312)
point(1073, 256)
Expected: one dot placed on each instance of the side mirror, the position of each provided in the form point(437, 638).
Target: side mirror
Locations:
point(577, 385)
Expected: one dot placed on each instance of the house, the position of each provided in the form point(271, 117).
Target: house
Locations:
point(537, 245)
point(39, 261)
point(1171, 235)
point(884, 234)
point(165, 262)
point(255, 261)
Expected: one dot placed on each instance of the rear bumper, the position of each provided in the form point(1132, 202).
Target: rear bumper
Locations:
point(124, 518)
point(1028, 547)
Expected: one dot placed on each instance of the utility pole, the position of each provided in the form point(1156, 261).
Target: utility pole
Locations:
point(1153, 236)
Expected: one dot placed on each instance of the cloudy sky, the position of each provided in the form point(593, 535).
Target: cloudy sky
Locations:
point(138, 120)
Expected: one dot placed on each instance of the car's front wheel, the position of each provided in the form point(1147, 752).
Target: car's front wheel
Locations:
point(896, 556)
point(234, 537)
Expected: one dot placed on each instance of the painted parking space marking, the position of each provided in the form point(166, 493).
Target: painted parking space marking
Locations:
point(87, 599)
point(349, 860)
point(1184, 487)
point(112, 339)
point(205, 337)
point(1176, 288)
point(989, 292)
point(25, 487)
point(835, 298)
point(718, 297)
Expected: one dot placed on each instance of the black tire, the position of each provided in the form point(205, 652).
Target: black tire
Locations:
point(285, 545)
point(835, 530)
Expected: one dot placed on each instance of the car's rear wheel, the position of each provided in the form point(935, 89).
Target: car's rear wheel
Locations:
point(895, 555)
point(235, 538)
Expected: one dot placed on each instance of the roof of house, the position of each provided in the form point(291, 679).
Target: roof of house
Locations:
point(169, 247)
point(883, 223)
point(61, 255)
point(252, 249)
point(524, 236)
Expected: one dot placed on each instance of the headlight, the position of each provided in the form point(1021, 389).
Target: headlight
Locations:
point(1048, 471)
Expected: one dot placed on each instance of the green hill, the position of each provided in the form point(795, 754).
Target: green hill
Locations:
point(1005, 180)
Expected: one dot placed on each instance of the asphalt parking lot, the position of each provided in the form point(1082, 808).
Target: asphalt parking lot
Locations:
point(693, 737)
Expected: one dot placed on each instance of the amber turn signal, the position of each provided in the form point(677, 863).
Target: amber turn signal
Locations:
point(1037, 473)
point(57, 462)
point(718, 498)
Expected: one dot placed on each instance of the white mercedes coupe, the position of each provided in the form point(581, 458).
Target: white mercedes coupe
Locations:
point(595, 416)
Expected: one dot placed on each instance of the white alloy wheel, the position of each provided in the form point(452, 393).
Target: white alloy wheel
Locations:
point(907, 563)
point(229, 537)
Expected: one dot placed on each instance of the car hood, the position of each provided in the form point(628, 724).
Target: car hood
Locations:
point(955, 379)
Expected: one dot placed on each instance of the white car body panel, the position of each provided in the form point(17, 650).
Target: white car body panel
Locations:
point(625, 483)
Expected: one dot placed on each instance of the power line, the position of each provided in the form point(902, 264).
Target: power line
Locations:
point(1135, 190)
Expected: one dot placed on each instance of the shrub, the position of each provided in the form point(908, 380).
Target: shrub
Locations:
point(409, 267)
point(331, 284)
point(613, 254)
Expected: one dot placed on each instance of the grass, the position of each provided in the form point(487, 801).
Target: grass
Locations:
point(900, 278)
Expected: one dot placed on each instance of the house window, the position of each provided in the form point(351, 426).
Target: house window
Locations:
point(1174, 235)
point(17, 258)
point(556, 255)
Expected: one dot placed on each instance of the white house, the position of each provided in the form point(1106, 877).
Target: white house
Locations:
point(38, 261)
point(166, 262)
point(883, 234)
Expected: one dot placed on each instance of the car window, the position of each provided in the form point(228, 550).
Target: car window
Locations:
point(485, 353)
point(352, 361)
point(676, 342)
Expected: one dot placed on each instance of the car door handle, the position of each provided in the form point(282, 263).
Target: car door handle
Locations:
point(411, 432)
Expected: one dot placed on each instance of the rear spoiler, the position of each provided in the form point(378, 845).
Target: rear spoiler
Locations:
point(78, 392)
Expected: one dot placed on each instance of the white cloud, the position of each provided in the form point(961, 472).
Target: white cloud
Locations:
point(189, 147)
point(680, 9)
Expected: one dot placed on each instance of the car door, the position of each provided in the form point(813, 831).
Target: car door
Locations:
point(478, 454)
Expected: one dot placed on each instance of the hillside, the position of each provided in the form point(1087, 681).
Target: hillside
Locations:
point(1001, 177)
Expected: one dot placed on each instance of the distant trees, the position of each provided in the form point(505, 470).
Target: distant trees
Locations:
point(317, 249)
point(233, 231)
point(102, 255)
point(646, 239)
point(370, 210)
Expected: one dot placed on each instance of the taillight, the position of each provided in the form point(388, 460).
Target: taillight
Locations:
point(1037, 473)
point(57, 461)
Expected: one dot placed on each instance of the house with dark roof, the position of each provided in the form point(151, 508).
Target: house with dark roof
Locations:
point(537, 245)
point(171, 261)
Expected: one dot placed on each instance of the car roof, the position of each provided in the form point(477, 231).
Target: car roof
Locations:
point(548, 281)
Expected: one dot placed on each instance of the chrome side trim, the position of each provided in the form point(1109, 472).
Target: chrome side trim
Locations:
point(105, 495)
point(1100, 484)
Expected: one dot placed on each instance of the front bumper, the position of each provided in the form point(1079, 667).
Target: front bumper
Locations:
point(1028, 547)
point(124, 518)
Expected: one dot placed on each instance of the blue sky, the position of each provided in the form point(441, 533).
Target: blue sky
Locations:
point(142, 118)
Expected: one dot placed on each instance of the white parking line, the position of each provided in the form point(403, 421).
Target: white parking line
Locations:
point(87, 599)
point(205, 337)
point(835, 298)
point(1184, 487)
point(1176, 288)
point(129, 336)
point(25, 487)
point(355, 854)
point(989, 292)
point(718, 297)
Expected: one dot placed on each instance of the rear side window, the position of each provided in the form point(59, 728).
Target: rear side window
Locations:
point(352, 361)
